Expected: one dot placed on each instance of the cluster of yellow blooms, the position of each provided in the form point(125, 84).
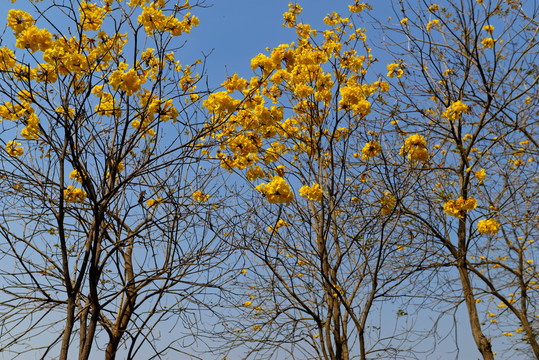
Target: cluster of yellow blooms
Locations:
point(456, 207)
point(388, 203)
point(394, 70)
point(279, 225)
point(200, 196)
point(371, 149)
point(455, 111)
point(415, 147)
point(153, 19)
point(488, 43)
point(307, 74)
point(14, 148)
point(154, 202)
point(91, 15)
point(72, 194)
point(311, 192)
point(277, 191)
point(488, 226)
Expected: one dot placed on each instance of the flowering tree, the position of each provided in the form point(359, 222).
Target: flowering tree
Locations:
point(469, 86)
point(319, 236)
point(102, 189)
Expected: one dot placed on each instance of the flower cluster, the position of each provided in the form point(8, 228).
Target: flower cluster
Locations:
point(371, 149)
point(480, 175)
point(75, 175)
point(154, 202)
point(277, 226)
point(388, 203)
point(153, 19)
point(91, 16)
point(455, 111)
point(456, 207)
point(394, 70)
point(488, 226)
point(415, 147)
point(488, 43)
point(72, 194)
point(311, 192)
point(277, 191)
point(200, 196)
point(129, 81)
point(14, 148)
point(7, 59)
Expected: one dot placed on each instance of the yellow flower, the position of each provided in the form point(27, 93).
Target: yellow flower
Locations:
point(311, 192)
point(488, 28)
point(152, 202)
point(488, 43)
point(394, 70)
point(488, 226)
point(404, 21)
point(14, 148)
point(72, 194)
point(388, 203)
point(371, 149)
point(456, 207)
point(454, 112)
point(433, 23)
point(247, 303)
point(200, 196)
point(480, 175)
point(415, 147)
point(74, 175)
point(276, 191)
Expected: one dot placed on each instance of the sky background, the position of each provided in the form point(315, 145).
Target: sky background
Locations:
point(234, 31)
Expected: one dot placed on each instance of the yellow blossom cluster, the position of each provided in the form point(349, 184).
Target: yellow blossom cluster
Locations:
point(200, 196)
point(234, 83)
point(313, 192)
point(433, 24)
point(357, 7)
point(305, 77)
point(7, 59)
point(488, 28)
point(415, 147)
point(154, 202)
point(107, 106)
point(19, 21)
point(291, 15)
point(75, 175)
point(91, 15)
point(14, 148)
point(480, 175)
point(394, 70)
point(130, 81)
point(153, 19)
point(280, 223)
point(34, 39)
point(488, 43)
point(72, 194)
point(455, 110)
point(488, 226)
point(277, 191)
point(457, 207)
point(388, 203)
point(371, 149)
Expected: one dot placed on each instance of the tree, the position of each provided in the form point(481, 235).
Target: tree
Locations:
point(102, 186)
point(468, 85)
point(316, 267)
